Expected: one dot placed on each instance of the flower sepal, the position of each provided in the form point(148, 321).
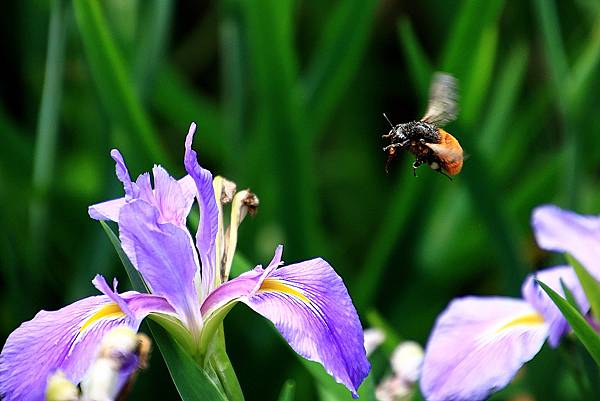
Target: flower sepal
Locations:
point(181, 334)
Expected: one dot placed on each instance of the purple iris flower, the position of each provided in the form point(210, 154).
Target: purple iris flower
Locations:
point(479, 343)
point(68, 339)
point(190, 294)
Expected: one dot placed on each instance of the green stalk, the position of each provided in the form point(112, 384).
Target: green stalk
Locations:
point(156, 19)
point(221, 365)
point(547, 15)
point(114, 87)
point(47, 127)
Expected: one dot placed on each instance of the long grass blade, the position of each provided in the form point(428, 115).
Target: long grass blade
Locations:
point(336, 58)
point(47, 126)
point(586, 334)
point(279, 130)
point(113, 84)
point(419, 66)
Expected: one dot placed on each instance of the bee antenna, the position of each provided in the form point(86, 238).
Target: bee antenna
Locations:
point(388, 120)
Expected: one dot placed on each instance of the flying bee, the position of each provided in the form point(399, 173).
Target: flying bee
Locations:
point(424, 138)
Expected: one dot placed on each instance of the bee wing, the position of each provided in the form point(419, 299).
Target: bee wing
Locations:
point(446, 153)
point(443, 97)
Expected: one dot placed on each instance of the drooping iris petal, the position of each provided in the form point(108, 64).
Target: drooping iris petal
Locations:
point(108, 210)
point(311, 308)
point(164, 255)
point(565, 231)
point(100, 283)
point(209, 213)
point(477, 345)
point(537, 297)
point(65, 339)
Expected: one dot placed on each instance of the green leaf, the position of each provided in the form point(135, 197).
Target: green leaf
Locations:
point(234, 80)
point(469, 23)
point(175, 100)
point(336, 59)
point(193, 384)
point(47, 128)
point(150, 46)
point(278, 127)
point(288, 391)
point(545, 11)
point(584, 69)
point(503, 101)
point(221, 365)
point(476, 83)
point(556, 59)
point(335, 391)
point(116, 90)
point(586, 334)
point(569, 295)
point(419, 66)
point(590, 286)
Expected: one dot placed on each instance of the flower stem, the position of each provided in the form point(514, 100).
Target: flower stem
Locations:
point(221, 365)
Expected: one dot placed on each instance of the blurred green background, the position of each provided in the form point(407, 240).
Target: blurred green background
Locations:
point(288, 97)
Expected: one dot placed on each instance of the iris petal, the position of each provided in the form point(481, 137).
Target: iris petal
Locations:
point(311, 308)
point(209, 213)
point(169, 198)
point(477, 346)
point(164, 255)
point(173, 198)
point(538, 298)
point(65, 339)
point(565, 231)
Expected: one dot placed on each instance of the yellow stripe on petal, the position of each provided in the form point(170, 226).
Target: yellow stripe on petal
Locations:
point(271, 284)
point(528, 320)
point(110, 310)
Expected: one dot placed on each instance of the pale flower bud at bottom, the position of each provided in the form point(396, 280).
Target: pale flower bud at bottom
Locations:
point(407, 360)
point(393, 388)
point(117, 361)
point(61, 389)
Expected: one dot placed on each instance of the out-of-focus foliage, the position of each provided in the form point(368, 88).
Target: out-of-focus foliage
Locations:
point(288, 99)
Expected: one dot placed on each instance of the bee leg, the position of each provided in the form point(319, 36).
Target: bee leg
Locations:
point(435, 166)
point(396, 145)
point(416, 165)
point(444, 174)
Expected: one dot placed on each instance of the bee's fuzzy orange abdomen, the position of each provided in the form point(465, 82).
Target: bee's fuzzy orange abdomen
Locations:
point(452, 155)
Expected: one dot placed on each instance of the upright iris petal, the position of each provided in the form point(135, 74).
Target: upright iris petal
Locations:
point(209, 214)
point(311, 308)
point(163, 254)
point(173, 198)
point(67, 339)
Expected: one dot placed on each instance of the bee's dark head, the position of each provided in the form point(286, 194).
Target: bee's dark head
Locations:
point(398, 135)
point(396, 132)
